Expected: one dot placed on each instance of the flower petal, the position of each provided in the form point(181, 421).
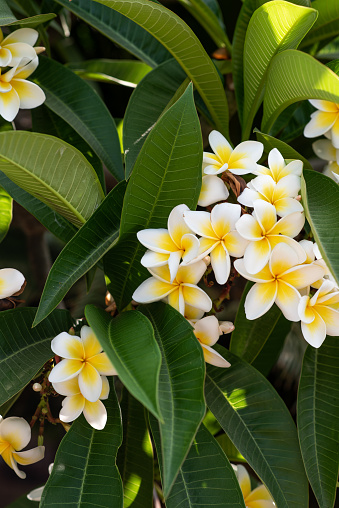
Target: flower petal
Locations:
point(224, 218)
point(220, 145)
point(67, 388)
point(244, 480)
point(30, 456)
point(152, 290)
point(242, 166)
point(153, 259)
point(324, 149)
point(30, 94)
point(331, 319)
point(173, 263)
point(176, 300)
point(177, 227)
point(335, 134)
point(288, 186)
point(11, 281)
point(158, 240)
point(265, 214)
point(257, 255)
point(24, 71)
point(192, 273)
point(292, 168)
point(276, 163)
point(95, 414)
point(20, 51)
point(286, 206)
point(249, 228)
point(248, 196)
point(193, 312)
point(248, 149)
point(27, 35)
point(190, 245)
point(330, 107)
point(5, 57)
point(196, 297)
point(9, 105)
point(65, 370)
point(213, 357)
point(214, 170)
point(16, 431)
point(212, 190)
point(314, 333)
point(221, 264)
point(260, 494)
point(320, 123)
point(90, 382)
point(68, 346)
point(206, 245)
point(102, 364)
point(263, 276)
point(105, 388)
point(290, 225)
point(72, 408)
point(235, 244)
point(287, 300)
point(35, 494)
point(207, 330)
point(302, 276)
point(260, 299)
point(200, 223)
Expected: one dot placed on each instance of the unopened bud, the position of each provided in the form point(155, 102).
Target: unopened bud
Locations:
point(40, 440)
point(37, 387)
point(71, 331)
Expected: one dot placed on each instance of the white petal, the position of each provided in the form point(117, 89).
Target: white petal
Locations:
point(320, 123)
point(105, 388)
point(327, 106)
point(212, 190)
point(249, 149)
point(15, 431)
point(68, 346)
point(96, 415)
point(152, 290)
point(35, 494)
point(5, 57)
point(290, 225)
point(221, 264)
point(292, 168)
point(260, 299)
point(21, 52)
point(263, 276)
point(207, 330)
point(90, 383)
point(176, 300)
point(30, 456)
point(305, 312)
point(276, 163)
point(248, 196)
point(190, 245)
point(220, 145)
point(196, 297)
point(30, 94)
point(177, 227)
point(27, 35)
point(286, 206)
point(173, 264)
point(287, 300)
point(11, 281)
point(65, 370)
point(24, 71)
point(214, 170)
point(158, 240)
point(72, 408)
point(288, 186)
point(249, 228)
point(224, 218)
point(244, 480)
point(9, 105)
point(226, 327)
point(192, 273)
point(315, 332)
point(200, 223)
point(307, 245)
point(152, 259)
point(265, 214)
point(335, 133)
point(257, 255)
point(213, 357)
point(235, 244)
point(324, 149)
point(67, 388)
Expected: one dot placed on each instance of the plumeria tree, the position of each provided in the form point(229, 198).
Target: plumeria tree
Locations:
point(201, 206)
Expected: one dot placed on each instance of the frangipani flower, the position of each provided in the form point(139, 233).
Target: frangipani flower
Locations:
point(281, 195)
point(263, 232)
point(332, 170)
point(256, 498)
point(278, 282)
point(239, 161)
point(213, 190)
point(317, 315)
point(277, 168)
point(15, 434)
point(17, 93)
point(324, 149)
point(75, 403)
point(208, 330)
point(11, 281)
point(218, 236)
point(83, 359)
point(180, 293)
point(326, 120)
point(169, 246)
point(17, 47)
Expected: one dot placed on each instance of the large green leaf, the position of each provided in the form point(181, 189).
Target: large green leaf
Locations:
point(320, 198)
point(23, 350)
point(4, 408)
point(52, 171)
point(327, 25)
point(181, 398)
point(286, 150)
point(145, 106)
point(273, 28)
point(120, 30)
point(167, 173)
point(307, 79)
point(6, 204)
point(86, 248)
point(135, 456)
point(128, 340)
point(206, 478)
point(79, 105)
point(260, 426)
point(85, 471)
point(186, 48)
point(318, 423)
point(31, 22)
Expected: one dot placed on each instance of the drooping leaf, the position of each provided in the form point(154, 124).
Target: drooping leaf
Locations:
point(167, 173)
point(23, 350)
point(260, 426)
point(32, 21)
point(85, 471)
point(128, 340)
point(40, 164)
point(320, 197)
point(327, 25)
point(318, 425)
point(286, 150)
point(181, 399)
point(135, 456)
point(86, 248)
point(186, 48)
point(307, 79)
point(6, 205)
point(78, 104)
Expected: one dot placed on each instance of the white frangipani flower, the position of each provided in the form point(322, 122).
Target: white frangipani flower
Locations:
point(317, 315)
point(263, 232)
point(278, 282)
point(75, 403)
point(324, 121)
point(324, 149)
point(180, 293)
point(208, 330)
point(15, 434)
point(83, 358)
point(11, 281)
point(213, 190)
point(219, 238)
point(239, 161)
point(256, 498)
point(278, 169)
point(169, 246)
point(17, 47)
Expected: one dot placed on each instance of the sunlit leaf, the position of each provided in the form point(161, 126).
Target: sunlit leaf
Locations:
point(6, 204)
point(327, 24)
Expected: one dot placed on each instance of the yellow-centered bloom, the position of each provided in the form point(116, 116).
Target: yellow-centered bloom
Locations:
point(278, 169)
point(324, 121)
point(17, 47)
point(208, 330)
point(256, 498)
point(11, 282)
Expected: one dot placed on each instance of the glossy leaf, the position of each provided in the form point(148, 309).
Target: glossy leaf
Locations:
point(181, 399)
point(120, 30)
point(23, 350)
point(318, 425)
point(40, 164)
point(84, 471)
point(320, 197)
point(86, 248)
point(286, 150)
point(186, 48)
point(135, 456)
point(229, 449)
point(32, 21)
point(78, 104)
point(128, 340)
point(327, 24)
point(167, 173)
point(260, 426)
point(6, 204)
point(307, 79)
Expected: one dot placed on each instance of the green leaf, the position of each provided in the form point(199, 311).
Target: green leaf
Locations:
point(40, 164)
point(327, 25)
point(267, 36)
point(120, 72)
point(169, 164)
point(22, 502)
point(4, 408)
point(128, 340)
point(145, 106)
point(84, 471)
point(6, 15)
point(84, 250)
point(250, 337)
point(23, 350)
point(318, 410)
point(186, 48)
point(31, 22)
point(181, 398)
point(320, 197)
point(260, 426)
point(307, 79)
point(135, 456)
point(229, 449)
point(120, 30)
point(286, 151)
point(78, 104)
point(5, 212)
point(206, 478)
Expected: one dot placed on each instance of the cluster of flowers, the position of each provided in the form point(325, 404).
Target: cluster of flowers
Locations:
point(285, 271)
point(18, 60)
point(325, 121)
